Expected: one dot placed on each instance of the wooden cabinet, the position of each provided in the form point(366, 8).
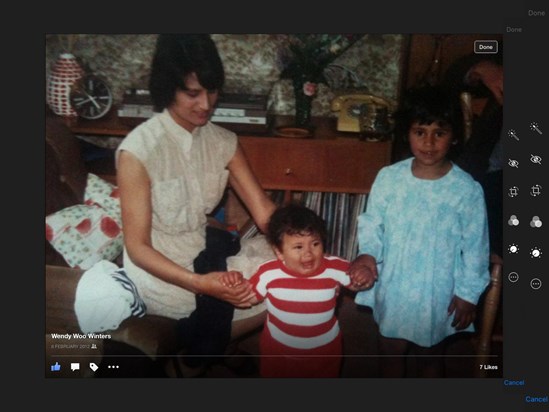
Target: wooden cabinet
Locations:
point(328, 161)
point(337, 165)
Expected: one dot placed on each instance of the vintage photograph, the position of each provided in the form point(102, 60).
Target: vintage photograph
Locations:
point(274, 205)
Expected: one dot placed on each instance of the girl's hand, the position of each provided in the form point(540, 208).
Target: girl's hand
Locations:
point(465, 312)
point(363, 272)
point(213, 284)
point(362, 278)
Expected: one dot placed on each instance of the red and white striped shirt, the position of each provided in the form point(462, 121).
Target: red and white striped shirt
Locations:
point(301, 307)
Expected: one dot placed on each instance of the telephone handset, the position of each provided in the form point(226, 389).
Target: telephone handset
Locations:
point(350, 105)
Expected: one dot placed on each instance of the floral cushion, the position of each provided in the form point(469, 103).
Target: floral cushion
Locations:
point(103, 194)
point(85, 234)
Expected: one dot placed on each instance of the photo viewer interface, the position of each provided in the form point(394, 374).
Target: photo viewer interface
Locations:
point(512, 373)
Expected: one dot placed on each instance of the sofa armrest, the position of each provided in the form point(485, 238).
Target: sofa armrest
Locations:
point(152, 335)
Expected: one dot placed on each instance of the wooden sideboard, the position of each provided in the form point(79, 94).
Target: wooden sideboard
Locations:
point(315, 165)
point(328, 161)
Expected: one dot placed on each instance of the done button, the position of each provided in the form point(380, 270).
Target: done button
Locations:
point(486, 46)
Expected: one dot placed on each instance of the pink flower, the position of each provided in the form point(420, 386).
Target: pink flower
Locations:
point(309, 89)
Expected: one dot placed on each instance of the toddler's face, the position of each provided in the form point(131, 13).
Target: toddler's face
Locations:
point(301, 253)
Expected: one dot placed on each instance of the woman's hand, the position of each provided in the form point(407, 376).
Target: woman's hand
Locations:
point(239, 294)
point(465, 312)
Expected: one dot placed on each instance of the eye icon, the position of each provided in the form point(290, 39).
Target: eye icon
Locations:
point(513, 248)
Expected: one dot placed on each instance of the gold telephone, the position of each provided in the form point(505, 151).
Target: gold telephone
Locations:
point(349, 106)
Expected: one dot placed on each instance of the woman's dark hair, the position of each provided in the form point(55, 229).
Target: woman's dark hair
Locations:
point(175, 57)
point(295, 219)
point(426, 105)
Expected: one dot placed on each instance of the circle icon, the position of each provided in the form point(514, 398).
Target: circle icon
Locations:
point(535, 222)
point(513, 248)
point(513, 277)
point(535, 283)
point(535, 252)
point(513, 221)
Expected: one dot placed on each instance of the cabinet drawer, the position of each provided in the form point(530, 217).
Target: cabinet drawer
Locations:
point(353, 167)
point(286, 164)
point(337, 165)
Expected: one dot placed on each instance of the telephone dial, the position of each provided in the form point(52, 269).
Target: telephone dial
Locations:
point(350, 106)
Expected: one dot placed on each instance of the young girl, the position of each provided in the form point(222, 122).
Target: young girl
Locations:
point(301, 336)
point(424, 237)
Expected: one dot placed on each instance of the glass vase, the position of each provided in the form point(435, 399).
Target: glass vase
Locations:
point(303, 103)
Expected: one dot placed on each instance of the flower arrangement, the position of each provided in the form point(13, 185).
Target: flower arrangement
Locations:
point(304, 57)
point(310, 54)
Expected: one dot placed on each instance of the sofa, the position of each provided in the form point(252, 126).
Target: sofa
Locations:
point(66, 172)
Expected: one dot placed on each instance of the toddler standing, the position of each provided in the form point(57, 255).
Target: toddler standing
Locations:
point(301, 336)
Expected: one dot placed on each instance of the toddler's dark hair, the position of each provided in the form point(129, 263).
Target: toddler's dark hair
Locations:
point(295, 219)
point(430, 104)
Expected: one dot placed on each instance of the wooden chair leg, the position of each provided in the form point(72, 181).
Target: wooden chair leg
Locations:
point(490, 309)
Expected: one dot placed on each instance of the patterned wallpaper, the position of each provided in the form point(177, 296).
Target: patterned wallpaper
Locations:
point(251, 62)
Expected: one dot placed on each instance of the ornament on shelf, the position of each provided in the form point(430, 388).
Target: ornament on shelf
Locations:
point(64, 73)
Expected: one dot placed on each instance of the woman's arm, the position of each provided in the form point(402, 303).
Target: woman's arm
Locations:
point(136, 205)
point(247, 187)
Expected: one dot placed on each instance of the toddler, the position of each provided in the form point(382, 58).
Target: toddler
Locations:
point(301, 336)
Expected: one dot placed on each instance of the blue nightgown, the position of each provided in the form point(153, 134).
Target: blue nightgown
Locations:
point(430, 241)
